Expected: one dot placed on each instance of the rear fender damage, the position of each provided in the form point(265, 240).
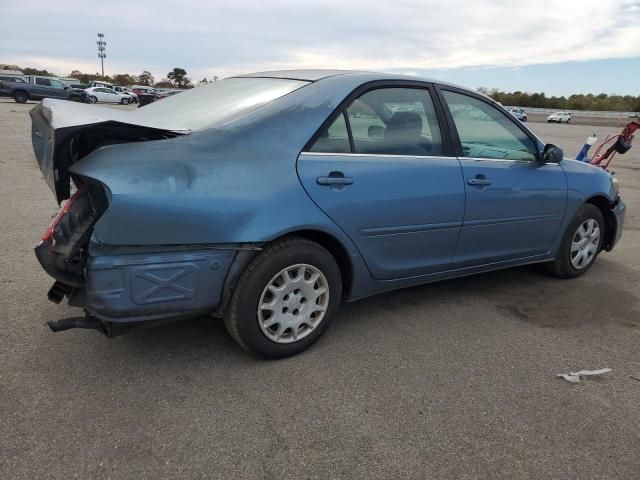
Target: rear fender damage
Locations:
point(61, 136)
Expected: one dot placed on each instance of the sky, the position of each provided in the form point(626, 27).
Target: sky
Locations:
point(558, 47)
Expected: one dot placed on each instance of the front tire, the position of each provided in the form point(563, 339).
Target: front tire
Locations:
point(581, 243)
point(124, 101)
point(285, 299)
point(93, 99)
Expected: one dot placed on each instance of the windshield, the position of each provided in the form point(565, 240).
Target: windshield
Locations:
point(218, 102)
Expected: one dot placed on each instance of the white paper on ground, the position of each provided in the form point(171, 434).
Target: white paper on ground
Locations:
point(574, 377)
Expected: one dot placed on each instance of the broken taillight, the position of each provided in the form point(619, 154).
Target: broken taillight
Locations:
point(65, 208)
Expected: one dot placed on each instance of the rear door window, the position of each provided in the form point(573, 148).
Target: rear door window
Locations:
point(334, 138)
point(395, 121)
point(385, 121)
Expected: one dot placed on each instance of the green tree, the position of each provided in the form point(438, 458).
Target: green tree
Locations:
point(124, 79)
point(145, 78)
point(179, 78)
point(164, 83)
point(35, 71)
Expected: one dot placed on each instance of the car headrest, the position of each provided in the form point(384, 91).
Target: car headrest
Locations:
point(405, 126)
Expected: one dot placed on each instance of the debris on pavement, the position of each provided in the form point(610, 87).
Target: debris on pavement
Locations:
point(574, 377)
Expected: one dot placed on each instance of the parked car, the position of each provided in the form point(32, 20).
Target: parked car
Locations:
point(519, 113)
point(126, 91)
point(261, 199)
point(107, 95)
point(137, 89)
point(35, 88)
point(559, 117)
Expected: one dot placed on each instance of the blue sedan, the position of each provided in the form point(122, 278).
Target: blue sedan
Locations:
point(268, 199)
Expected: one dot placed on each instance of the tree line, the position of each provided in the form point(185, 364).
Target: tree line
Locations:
point(176, 78)
point(600, 102)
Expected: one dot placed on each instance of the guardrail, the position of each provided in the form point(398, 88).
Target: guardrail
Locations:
point(581, 113)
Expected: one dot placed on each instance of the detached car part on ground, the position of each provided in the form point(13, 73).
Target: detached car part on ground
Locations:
point(268, 199)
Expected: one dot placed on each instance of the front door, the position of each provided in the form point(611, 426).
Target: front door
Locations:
point(514, 203)
point(379, 170)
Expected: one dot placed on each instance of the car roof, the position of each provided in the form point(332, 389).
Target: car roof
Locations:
point(309, 75)
point(314, 75)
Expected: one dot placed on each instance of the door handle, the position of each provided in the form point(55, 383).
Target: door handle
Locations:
point(479, 182)
point(334, 180)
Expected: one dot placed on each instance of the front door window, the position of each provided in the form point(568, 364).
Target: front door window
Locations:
point(486, 132)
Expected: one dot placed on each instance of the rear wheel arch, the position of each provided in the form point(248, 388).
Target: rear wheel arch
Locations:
point(325, 240)
point(335, 248)
point(604, 206)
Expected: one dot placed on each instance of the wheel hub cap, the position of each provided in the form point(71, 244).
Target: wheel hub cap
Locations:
point(584, 245)
point(293, 303)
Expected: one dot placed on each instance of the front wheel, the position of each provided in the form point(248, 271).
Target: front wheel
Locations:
point(124, 101)
point(581, 243)
point(93, 99)
point(285, 299)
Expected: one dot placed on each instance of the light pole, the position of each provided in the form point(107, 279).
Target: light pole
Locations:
point(101, 50)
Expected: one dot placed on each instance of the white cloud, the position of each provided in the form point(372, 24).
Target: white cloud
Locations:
point(222, 38)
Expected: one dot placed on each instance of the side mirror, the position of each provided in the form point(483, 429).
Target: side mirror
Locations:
point(376, 132)
point(551, 154)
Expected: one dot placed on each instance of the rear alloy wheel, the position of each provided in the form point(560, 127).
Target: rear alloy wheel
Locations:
point(293, 304)
point(285, 299)
point(580, 244)
point(124, 101)
point(20, 96)
point(93, 99)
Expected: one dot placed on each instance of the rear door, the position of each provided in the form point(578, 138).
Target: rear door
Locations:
point(514, 203)
point(42, 87)
point(102, 94)
point(381, 170)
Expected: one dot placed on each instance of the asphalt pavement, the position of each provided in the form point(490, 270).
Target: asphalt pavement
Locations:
point(454, 380)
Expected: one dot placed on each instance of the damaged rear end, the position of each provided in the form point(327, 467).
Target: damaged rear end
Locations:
point(63, 134)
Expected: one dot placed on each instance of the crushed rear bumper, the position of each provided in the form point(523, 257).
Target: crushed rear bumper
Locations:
point(155, 286)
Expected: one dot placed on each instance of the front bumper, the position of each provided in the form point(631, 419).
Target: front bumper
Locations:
point(619, 210)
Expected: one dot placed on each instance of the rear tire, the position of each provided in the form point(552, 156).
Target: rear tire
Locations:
point(581, 243)
point(285, 299)
point(20, 96)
